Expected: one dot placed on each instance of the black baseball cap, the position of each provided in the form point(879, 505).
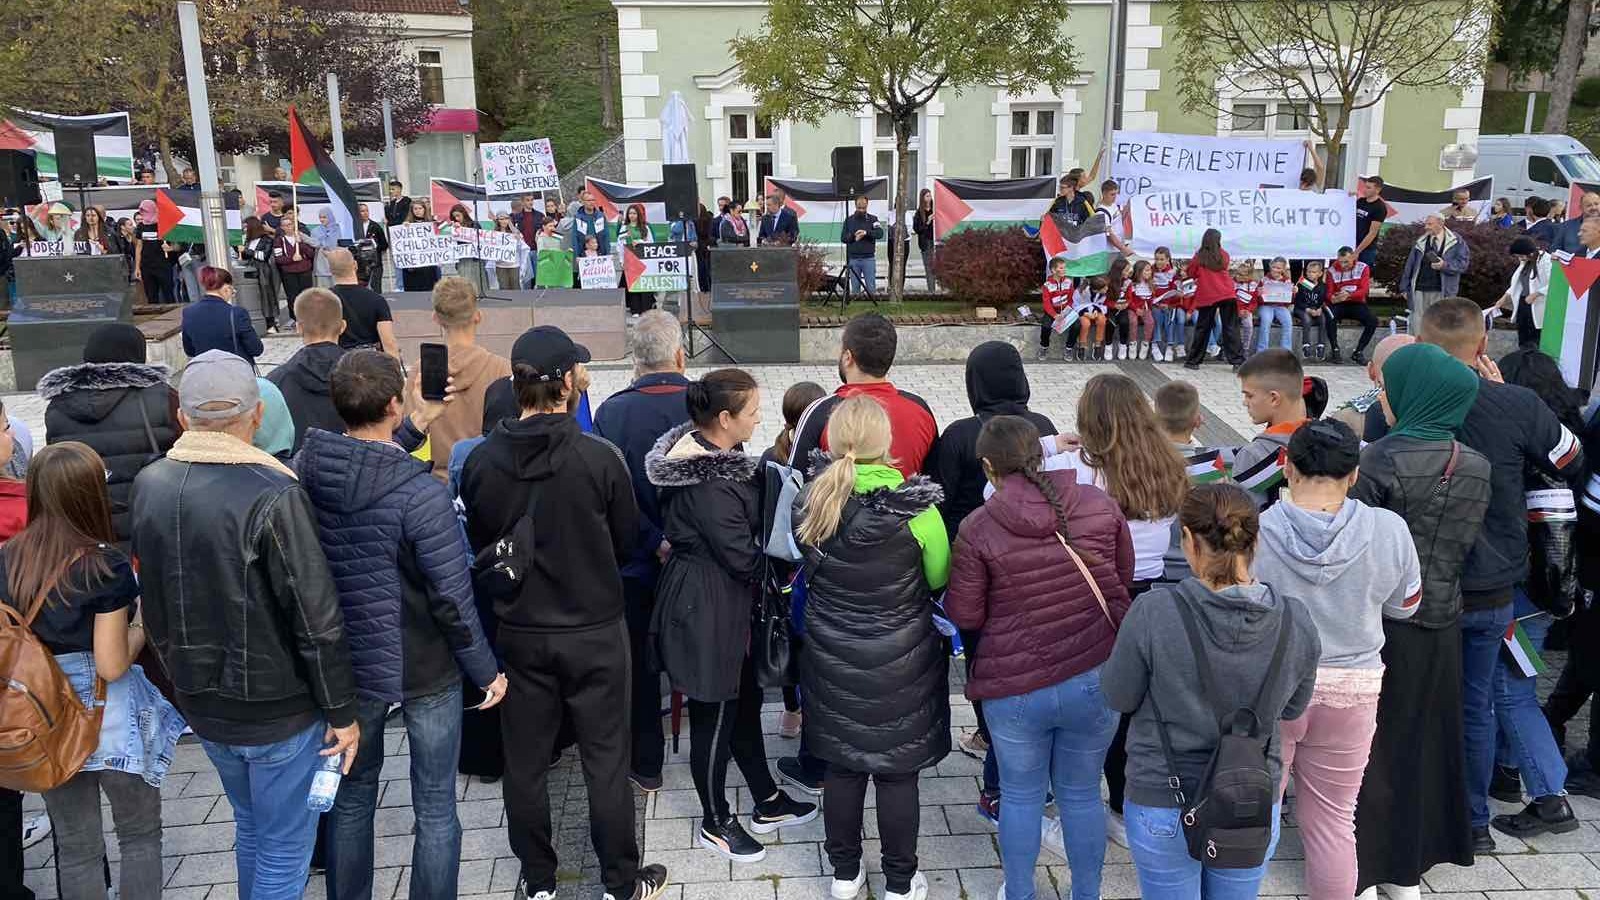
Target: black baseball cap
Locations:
point(548, 352)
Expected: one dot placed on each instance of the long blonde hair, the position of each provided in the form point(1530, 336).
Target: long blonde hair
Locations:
point(1122, 439)
point(858, 431)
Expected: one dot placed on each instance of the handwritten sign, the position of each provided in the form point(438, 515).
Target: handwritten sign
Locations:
point(597, 273)
point(493, 247)
point(1262, 222)
point(64, 248)
point(50, 191)
point(418, 245)
point(519, 167)
point(657, 267)
point(1144, 162)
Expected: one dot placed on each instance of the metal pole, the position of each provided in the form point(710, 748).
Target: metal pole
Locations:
point(1527, 120)
point(205, 151)
point(336, 124)
point(388, 139)
point(1114, 76)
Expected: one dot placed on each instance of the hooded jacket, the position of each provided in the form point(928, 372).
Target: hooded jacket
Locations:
point(997, 385)
point(1153, 658)
point(710, 513)
point(304, 381)
point(1455, 253)
point(390, 536)
point(1011, 580)
point(125, 411)
point(576, 487)
point(1352, 569)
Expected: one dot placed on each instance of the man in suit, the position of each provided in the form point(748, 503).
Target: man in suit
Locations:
point(1567, 232)
point(779, 226)
point(1535, 223)
point(398, 206)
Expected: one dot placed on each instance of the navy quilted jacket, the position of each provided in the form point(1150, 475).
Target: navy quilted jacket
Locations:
point(389, 532)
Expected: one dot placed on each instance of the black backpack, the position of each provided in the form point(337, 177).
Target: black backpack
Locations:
point(1228, 823)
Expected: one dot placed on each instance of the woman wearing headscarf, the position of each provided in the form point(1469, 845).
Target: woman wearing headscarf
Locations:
point(326, 236)
point(1412, 810)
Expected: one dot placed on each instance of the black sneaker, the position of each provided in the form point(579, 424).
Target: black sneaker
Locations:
point(1546, 815)
point(1335, 357)
point(645, 783)
point(1506, 785)
point(652, 883)
point(1482, 840)
point(781, 811)
point(729, 840)
point(794, 774)
point(1358, 358)
point(1322, 352)
point(1305, 351)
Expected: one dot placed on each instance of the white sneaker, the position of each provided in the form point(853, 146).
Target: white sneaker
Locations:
point(1001, 894)
point(1116, 829)
point(1122, 351)
point(847, 890)
point(1172, 354)
point(918, 891)
point(36, 829)
point(1050, 837)
point(1144, 350)
point(1214, 351)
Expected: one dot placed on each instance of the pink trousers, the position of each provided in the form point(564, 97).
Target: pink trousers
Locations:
point(1327, 750)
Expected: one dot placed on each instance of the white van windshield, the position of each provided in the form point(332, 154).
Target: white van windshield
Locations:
point(1581, 165)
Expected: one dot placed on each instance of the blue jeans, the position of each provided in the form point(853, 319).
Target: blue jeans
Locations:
point(1169, 326)
point(1526, 742)
point(1168, 872)
point(1283, 315)
point(267, 785)
point(433, 732)
point(1481, 633)
point(864, 270)
point(1055, 737)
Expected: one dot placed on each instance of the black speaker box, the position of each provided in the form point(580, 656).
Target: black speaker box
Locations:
point(848, 168)
point(682, 192)
point(75, 154)
point(19, 178)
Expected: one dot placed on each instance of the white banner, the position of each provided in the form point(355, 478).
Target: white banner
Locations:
point(418, 245)
point(1144, 162)
point(597, 273)
point(493, 247)
point(521, 167)
point(1258, 223)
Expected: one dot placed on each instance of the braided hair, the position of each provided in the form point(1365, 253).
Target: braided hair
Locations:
point(1009, 445)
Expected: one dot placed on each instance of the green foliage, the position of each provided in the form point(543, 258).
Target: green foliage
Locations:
point(1588, 92)
point(1530, 34)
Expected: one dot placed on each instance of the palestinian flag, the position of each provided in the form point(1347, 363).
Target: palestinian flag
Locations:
point(35, 131)
point(1571, 333)
point(963, 203)
point(178, 216)
point(1407, 206)
point(1522, 650)
point(311, 166)
point(614, 198)
point(445, 193)
point(311, 200)
point(1083, 246)
point(1265, 475)
point(820, 210)
point(1206, 466)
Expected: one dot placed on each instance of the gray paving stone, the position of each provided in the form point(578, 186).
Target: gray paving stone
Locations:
point(1584, 840)
point(1284, 876)
point(669, 834)
point(185, 811)
point(735, 890)
point(1535, 895)
point(202, 784)
point(1118, 882)
point(394, 820)
point(984, 884)
point(1485, 875)
point(693, 866)
point(485, 843)
point(942, 885)
point(675, 805)
point(389, 852)
point(204, 868)
point(1553, 870)
point(931, 823)
point(805, 888)
point(474, 876)
point(197, 892)
point(182, 840)
point(783, 861)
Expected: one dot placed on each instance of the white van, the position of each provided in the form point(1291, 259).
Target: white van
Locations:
point(1534, 165)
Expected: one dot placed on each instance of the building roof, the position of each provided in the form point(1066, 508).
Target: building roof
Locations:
point(397, 7)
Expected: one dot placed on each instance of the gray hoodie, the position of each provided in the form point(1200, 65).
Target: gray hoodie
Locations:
point(1352, 569)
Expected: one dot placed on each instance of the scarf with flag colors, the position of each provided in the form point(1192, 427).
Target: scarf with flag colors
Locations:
point(1263, 475)
point(178, 217)
point(1084, 246)
point(1523, 652)
point(35, 132)
point(445, 193)
point(311, 166)
point(963, 203)
point(1571, 332)
point(1205, 466)
point(614, 198)
point(1407, 206)
point(820, 210)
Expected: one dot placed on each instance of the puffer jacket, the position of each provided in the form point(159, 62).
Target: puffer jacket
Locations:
point(872, 668)
point(125, 411)
point(1011, 579)
point(711, 512)
point(1405, 475)
point(388, 529)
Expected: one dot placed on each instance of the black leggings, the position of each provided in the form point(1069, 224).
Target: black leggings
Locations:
point(718, 731)
point(1358, 311)
point(293, 284)
point(899, 817)
point(158, 284)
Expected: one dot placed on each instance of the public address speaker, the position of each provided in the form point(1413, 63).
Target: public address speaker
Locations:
point(19, 179)
point(681, 192)
point(75, 154)
point(848, 178)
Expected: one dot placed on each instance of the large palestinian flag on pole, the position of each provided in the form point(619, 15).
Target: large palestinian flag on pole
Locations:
point(310, 165)
point(1407, 206)
point(963, 203)
point(1084, 246)
point(35, 132)
point(445, 193)
point(820, 210)
point(178, 217)
point(614, 197)
point(1571, 330)
point(313, 199)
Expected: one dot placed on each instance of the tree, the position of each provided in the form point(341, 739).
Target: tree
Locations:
point(1335, 57)
point(1564, 77)
point(815, 57)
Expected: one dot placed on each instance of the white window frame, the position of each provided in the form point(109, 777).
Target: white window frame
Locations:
point(1033, 141)
point(1066, 104)
point(882, 144)
point(1273, 107)
point(436, 66)
point(750, 145)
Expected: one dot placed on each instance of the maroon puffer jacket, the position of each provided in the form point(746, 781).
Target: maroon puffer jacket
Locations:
point(1011, 580)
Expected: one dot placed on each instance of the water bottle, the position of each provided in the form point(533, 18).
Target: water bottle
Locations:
point(325, 784)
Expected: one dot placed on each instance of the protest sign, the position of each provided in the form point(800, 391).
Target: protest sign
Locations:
point(597, 273)
point(50, 191)
point(493, 247)
point(656, 267)
point(1144, 162)
point(418, 245)
point(1260, 222)
point(519, 167)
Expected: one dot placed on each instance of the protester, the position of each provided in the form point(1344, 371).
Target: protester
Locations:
point(472, 368)
point(922, 226)
point(508, 275)
point(419, 278)
point(295, 253)
point(1260, 651)
point(368, 322)
point(93, 233)
point(256, 253)
point(1371, 212)
point(273, 217)
point(1516, 431)
point(1460, 208)
point(527, 218)
point(733, 230)
point(1043, 569)
point(304, 378)
point(589, 221)
point(1272, 383)
point(1500, 213)
point(397, 208)
point(1434, 266)
point(634, 229)
point(118, 405)
point(1214, 300)
point(152, 261)
point(1354, 567)
point(780, 227)
point(1277, 299)
point(372, 242)
point(326, 237)
point(872, 668)
point(1536, 224)
point(1349, 280)
point(245, 617)
point(860, 235)
point(215, 323)
point(633, 419)
point(1141, 297)
point(1169, 304)
point(1524, 300)
point(1567, 231)
point(1056, 299)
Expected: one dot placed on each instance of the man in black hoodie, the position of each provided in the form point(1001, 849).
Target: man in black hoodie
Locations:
point(563, 502)
point(303, 377)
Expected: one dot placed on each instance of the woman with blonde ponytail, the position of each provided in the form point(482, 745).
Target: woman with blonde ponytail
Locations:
point(873, 670)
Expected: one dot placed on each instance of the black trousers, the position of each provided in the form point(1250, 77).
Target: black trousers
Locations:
point(293, 284)
point(1232, 349)
point(1340, 312)
point(159, 286)
point(11, 846)
point(844, 793)
point(1312, 330)
point(583, 677)
point(728, 730)
point(649, 746)
point(1527, 334)
point(1580, 680)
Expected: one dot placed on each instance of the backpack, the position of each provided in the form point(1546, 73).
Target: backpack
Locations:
point(1228, 823)
point(46, 734)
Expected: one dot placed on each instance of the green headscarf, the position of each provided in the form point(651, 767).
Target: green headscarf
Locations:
point(1429, 391)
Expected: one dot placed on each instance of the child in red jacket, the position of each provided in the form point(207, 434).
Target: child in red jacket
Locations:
point(1349, 280)
point(1056, 297)
point(1139, 296)
point(1168, 303)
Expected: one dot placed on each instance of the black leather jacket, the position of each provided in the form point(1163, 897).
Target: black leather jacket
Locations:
point(238, 600)
point(1406, 475)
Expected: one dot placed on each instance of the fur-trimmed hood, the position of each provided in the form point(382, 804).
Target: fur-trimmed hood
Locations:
point(678, 460)
point(917, 494)
point(100, 377)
